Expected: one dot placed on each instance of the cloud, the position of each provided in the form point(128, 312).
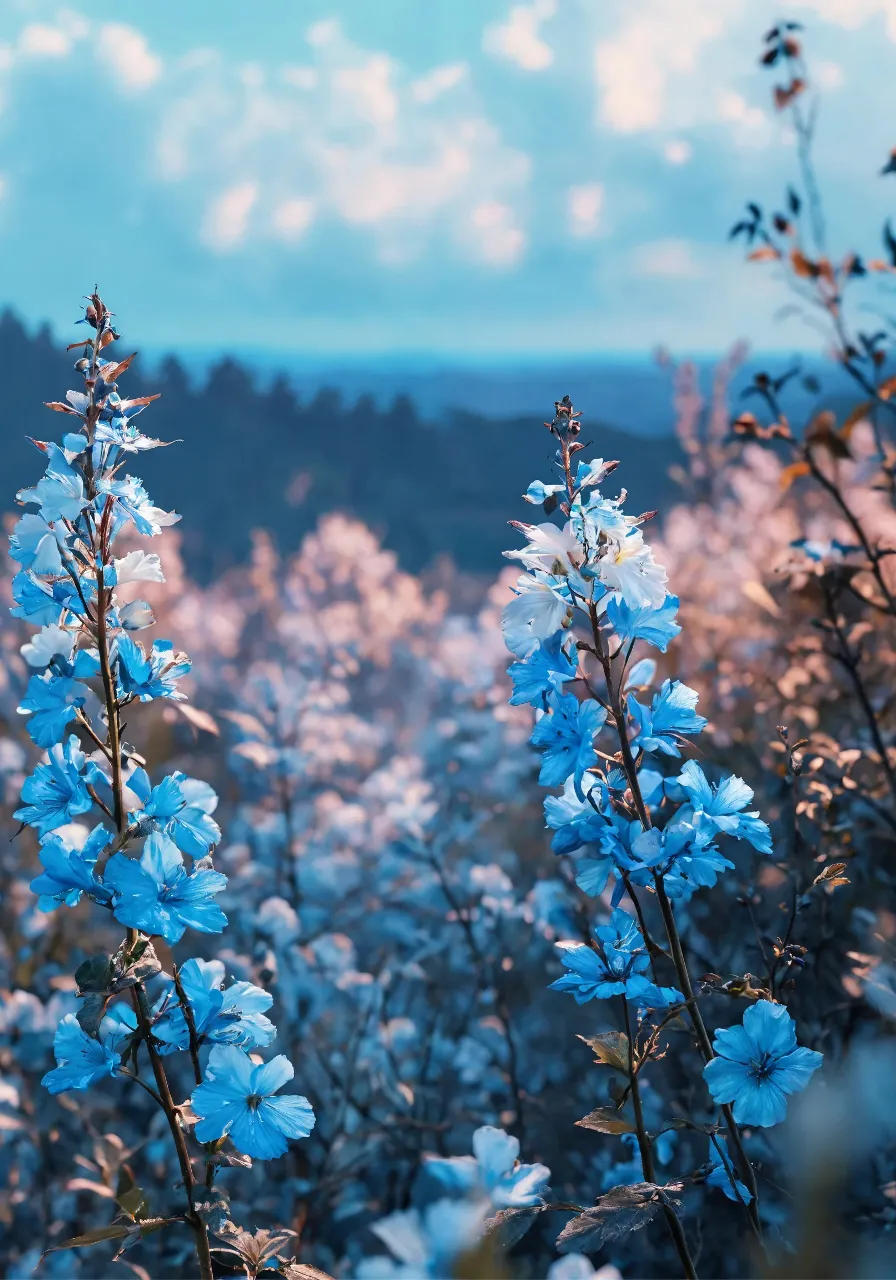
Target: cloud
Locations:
point(584, 206)
point(293, 217)
point(634, 67)
point(496, 238)
point(666, 259)
point(127, 54)
point(38, 40)
point(519, 38)
point(369, 86)
point(678, 151)
point(438, 81)
point(227, 219)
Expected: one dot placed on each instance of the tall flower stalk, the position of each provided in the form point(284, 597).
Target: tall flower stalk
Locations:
point(148, 858)
point(592, 591)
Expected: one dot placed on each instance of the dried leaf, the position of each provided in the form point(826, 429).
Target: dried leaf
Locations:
point(610, 1048)
point(508, 1226)
point(791, 473)
point(606, 1120)
point(756, 592)
point(199, 719)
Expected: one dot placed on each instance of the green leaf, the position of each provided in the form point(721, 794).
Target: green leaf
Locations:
point(117, 1231)
point(94, 974)
point(606, 1120)
point(610, 1048)
point(130, 1197)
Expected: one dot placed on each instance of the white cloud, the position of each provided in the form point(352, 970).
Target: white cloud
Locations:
point(293, 217)
point(397, 157)
point(668, 259)
point(519, 38)
point(370, 87)
point(752, 126)
point(634, 67)
point(38, 40)
point(438, 81)
point(678, 151)
point(227, 220)
point(496, 238)
point(828, 75)
point(323, 33)
point(584, 206)
point(127, 54)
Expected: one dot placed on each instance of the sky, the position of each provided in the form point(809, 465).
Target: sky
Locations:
point(470, 179)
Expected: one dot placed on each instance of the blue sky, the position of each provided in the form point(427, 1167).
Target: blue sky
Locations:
point(458, 177)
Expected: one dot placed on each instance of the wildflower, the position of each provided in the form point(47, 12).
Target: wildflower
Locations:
point(671, 715)
point(234, 1015)
point(657, 626)
point(493, 1170)
point(720, 808)
point(69, 872)
point(758, 1064)
point(56, 792)
point(51, 702)
point(566, 736)
point(60, 494)
point(138, 566)
point(627, 569)
point(545, 671)
point(236, 1100)
point(424, 1244)
point(576, 821)
point(80, 1060)
point(538, 493)
point(616, 968)
point(132, 503)
point(685, 857)
point(538, 610)
point(179, 806)
point(550, 548)
point(157, 895)
point(150, 677)
point(36, 546)
point(48, 643)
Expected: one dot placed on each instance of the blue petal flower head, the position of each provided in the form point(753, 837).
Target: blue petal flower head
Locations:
point(60, 494)
point(52, 642)
point(758, 1064)
point(566, 736)
point(616, 968)
point(576, 821)
point(540, 607)
point(538, 493)
point(720, 808)
point(234, 1015)
point(121, 433)
point(150, 677)
point(657, 626)
point(723, 1176)
point(671, 715)
point(68, 872)
point(179, 806)
point(157, 895)
point(56, 792)
point(42, 603)
point(133, 503)
point(424, 1245)
point(35, 546)
point(236, 1099)
point(80, 1060)
point(51, 702)
point(683, 855)
point(494, 1171)
point(545, 671)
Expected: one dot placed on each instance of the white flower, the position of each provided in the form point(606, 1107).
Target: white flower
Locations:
point(627, 569)
point(548, 545)
point(533, 615)
point(139, 566)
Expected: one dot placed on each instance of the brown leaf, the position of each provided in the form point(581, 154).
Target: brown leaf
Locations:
point(199, 719)
point(765, 253)
point(791, 473)
point(610, 1049)
point(606, 1120)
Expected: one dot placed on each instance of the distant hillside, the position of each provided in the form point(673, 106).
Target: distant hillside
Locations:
point(260, 458)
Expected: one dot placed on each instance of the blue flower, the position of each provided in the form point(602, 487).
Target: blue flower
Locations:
point(51, 702)
point(566, 736)
point(80, 1060)
point(56, 792)
point(616, 968)
point(576, 821)
point(759, 1064)
point(670, 716)
point(132, 502)
point(157, 895)
point(656, 626)
point(68, 872)
point(722, 1174)
point(60, 494)
point(234, 1015)
point(720, 808)
point(48, 643)
point(42, 603)
point(545, 671)
point(684, 856)
point(236, 1099)
point(179, 806)
point(424, 1244)
point(538, 493)
point(150, 677)
point(493, 1170)
point(35, 546)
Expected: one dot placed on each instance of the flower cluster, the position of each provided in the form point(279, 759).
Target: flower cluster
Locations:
point(145, 855)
